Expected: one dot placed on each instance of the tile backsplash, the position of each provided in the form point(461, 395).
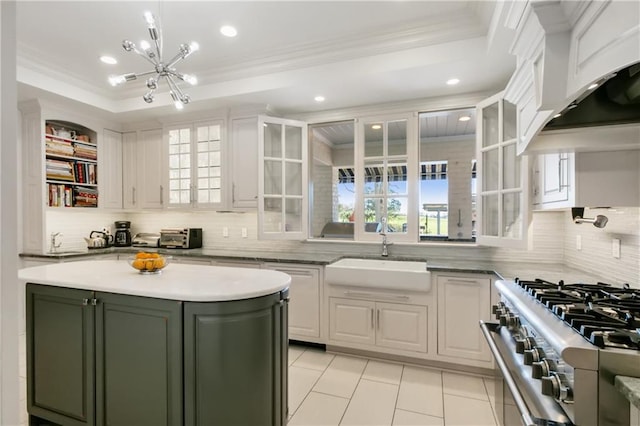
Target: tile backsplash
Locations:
point(554, 238)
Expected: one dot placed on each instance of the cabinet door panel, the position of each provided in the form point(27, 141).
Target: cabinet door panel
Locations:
point(304, 309)
point(60, 355)
point(244, 151)
point(555, 186)
point(150, 178)
point(110, 170)
point(401, 326)
point(351, 320)
point(139, 355)
point(462, 303)
point(232, 353)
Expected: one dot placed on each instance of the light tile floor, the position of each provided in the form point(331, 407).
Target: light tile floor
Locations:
point(327, 389)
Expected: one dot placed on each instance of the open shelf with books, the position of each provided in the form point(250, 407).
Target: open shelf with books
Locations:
point(71, 165)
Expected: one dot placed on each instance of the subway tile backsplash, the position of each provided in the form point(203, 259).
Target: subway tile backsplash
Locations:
point(554, 238)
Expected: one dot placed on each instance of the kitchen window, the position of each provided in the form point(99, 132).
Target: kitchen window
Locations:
point(422, 186)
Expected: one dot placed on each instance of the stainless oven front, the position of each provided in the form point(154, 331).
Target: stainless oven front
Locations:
point(518, 396)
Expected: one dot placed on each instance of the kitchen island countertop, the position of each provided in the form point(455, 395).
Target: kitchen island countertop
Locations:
point(195, 283)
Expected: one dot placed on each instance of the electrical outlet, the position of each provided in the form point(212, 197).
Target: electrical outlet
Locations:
point(225, 232)
point(578, 242)
point(615, 248)
point(244, 232)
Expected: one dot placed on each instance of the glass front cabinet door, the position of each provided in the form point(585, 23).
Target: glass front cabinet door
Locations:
point(503, 202)
point(283, 191)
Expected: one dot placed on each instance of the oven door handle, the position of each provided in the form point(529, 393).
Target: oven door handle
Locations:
point(508, 378)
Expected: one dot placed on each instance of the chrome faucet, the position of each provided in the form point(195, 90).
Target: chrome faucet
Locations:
point(55, 245)
point(383, 233)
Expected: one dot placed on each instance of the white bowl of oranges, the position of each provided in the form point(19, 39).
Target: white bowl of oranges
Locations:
point(149, 262)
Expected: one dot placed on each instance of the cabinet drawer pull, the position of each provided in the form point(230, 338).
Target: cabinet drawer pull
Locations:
point(378, 318)
point(85, 302)
point(161, 195)
point(133, 196)
point(460, 280)
point(376, 296)
point(372, 318)
point(94, 302)
point(295, 272)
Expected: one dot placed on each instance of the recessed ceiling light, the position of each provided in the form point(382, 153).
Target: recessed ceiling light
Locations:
point(593, 86)
point(557, 115)
point(453, 81)
point(376, 127)
point(228, 31)
point(108, 60)
point(319, 98)
point(464, 118)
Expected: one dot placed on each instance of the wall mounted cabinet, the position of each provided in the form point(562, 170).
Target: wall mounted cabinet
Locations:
point(143, 169)
point(244, 162)
point(587, 179)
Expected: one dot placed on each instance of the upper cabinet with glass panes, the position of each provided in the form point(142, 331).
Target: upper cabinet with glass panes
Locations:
point(417, 175)
point(195, 165)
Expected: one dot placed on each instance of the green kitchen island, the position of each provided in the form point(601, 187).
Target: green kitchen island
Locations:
point(194, 345)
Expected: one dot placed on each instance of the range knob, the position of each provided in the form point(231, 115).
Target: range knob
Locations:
point(501, 311)
point(494, 308)
point(513, 322)
point(543, 368)
point(533, 355)
point(525, 344)
point(557, 386)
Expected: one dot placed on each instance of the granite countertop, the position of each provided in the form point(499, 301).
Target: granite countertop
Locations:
point(196, 283)
point(504, 270)
point(630, 388)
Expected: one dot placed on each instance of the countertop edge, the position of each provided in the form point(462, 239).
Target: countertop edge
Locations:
point(630, 388)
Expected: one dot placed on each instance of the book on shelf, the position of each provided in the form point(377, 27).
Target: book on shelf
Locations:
point(58, 147)
point(59, 195)
point(85, 151)
point(59, 170)
point(85, 197)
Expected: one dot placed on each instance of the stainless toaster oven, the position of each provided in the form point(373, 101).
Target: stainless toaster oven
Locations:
point(184, 238)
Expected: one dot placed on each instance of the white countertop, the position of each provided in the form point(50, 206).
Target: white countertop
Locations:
point(194, 283)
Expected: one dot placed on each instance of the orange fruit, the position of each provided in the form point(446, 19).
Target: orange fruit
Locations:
point(149, 265)
point(141, 255)
point(138, 264)
point(158, 263)
point(153, 255)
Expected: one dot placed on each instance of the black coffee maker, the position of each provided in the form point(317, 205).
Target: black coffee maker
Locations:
point(122, 236)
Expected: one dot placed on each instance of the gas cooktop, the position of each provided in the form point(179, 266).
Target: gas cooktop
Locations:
point(605, 315)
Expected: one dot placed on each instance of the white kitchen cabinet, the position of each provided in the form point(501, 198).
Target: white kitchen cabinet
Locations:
point(587, 179)
point(305, 294)
point(150, 166)
point(129, 170)
point(195, 166)
point(244, 162)
point(463, 300)
point(283, 179)
point(394, 326)
point(110, 170)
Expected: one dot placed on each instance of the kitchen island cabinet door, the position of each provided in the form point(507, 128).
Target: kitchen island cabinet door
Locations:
point(138, 360)
point(60, 355)
point(234, 359)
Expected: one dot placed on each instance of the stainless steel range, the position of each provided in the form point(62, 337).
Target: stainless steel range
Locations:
point(558, 348)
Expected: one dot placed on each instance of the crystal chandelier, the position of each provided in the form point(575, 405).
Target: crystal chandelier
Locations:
point(162, 69)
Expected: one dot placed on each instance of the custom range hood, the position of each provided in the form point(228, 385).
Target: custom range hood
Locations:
point(615, 101)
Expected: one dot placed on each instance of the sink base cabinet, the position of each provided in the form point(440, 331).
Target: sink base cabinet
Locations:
point(101, 358)
point(368, 322)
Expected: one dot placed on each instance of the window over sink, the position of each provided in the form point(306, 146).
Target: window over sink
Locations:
point(417, 174)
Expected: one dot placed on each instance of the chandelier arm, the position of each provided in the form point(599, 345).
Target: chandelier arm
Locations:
point(173, 86)
point(180, 56)
point(141, 74)
point(144, 55)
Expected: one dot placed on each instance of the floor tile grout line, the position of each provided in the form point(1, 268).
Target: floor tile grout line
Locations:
point(395, 404)
point(312, 386)
point(354, 392)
